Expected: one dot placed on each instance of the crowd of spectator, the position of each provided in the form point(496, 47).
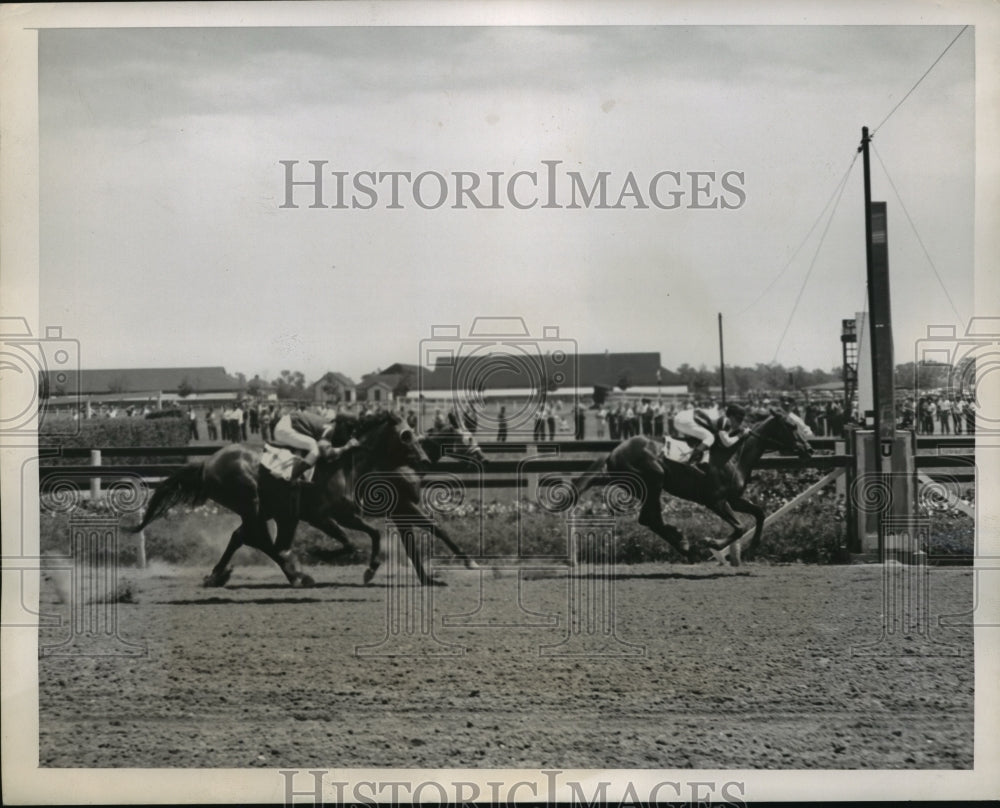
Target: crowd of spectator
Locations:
point(942, 414)
point(241, 420)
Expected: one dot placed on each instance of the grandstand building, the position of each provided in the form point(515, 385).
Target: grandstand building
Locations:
point(155, 388)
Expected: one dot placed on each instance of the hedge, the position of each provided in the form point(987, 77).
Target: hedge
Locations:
point(105, 433)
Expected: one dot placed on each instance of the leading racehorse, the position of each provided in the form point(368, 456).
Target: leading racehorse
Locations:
point(234, 478)
point(720, 488)
point(404, 505)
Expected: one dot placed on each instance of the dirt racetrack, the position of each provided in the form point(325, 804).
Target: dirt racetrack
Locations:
point(708, 668)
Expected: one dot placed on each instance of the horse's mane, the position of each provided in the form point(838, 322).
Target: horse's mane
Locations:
point(349, 425)
point(366, 423)
point(359, 425)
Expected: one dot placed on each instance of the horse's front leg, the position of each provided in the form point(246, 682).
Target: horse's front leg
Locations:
point(348, 517)
point(724, 511)
point(744, 505)
point(464, 557)
point(413, 515)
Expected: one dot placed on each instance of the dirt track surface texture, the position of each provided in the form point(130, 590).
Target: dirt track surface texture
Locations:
point(707, 668)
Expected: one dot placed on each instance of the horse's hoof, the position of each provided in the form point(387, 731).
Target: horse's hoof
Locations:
point(434, 582)
point(214, 579)
point(470, 564)
point(718, 556)
point(369, 574)
point(307, 580)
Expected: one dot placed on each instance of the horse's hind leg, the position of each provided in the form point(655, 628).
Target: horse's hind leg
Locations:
point(219, 576)
point(280, 550)
point(650, 516)
point(286, 558)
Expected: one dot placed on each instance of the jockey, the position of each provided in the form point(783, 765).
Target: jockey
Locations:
point(310, 432)
point(708, 424)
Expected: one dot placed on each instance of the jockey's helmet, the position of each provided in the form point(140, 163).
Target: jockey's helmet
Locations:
point(736, 411)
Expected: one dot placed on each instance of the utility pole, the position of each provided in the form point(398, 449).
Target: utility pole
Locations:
point(879, 313)
point(863, 148)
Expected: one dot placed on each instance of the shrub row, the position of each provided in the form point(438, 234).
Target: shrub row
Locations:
point(99, 433)
point(813, 532)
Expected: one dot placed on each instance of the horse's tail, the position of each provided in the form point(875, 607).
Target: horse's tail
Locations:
point(589, 477)
point(184, 486)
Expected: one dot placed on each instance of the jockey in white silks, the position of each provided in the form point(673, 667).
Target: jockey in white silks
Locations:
point(707, 424)
point(309, 432)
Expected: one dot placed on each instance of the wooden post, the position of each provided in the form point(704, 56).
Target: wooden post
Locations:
point(879, 495)
point(839, 448)
point(532, 487)
point(95, 482)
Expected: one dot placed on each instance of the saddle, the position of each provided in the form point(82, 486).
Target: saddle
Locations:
point(279, 461)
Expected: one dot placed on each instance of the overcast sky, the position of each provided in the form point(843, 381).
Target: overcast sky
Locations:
point(164, 243)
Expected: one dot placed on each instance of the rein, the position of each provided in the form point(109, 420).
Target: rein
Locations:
point(765, 438)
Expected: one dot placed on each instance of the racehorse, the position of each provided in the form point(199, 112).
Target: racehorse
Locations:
point(234, 478)
point(452, 440)
point(719, 488)
point(406, 508)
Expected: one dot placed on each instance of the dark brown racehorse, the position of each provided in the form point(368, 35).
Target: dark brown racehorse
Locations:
point(405, 495)
point(402, 503)
point(720, 488)
point(234, 478)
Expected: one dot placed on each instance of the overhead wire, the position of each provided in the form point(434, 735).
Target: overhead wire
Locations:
point(837, 189)
point(914, 87)
point(837, 194)
point(920, 241)
point(812, 264)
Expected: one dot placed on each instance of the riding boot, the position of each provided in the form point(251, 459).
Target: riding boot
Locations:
point(697, 455)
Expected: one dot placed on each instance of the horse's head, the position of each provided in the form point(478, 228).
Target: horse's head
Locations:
point(787, 433)
point(406, 439)
point(390, 437)
point(452, 437)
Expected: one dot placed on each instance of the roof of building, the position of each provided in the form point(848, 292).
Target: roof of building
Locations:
point(523, 370)
point(387, 380)
point(334, 377)
point(134, 380)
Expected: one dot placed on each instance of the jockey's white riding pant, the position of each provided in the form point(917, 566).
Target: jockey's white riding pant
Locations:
point(685, 424)
point(285, 435)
